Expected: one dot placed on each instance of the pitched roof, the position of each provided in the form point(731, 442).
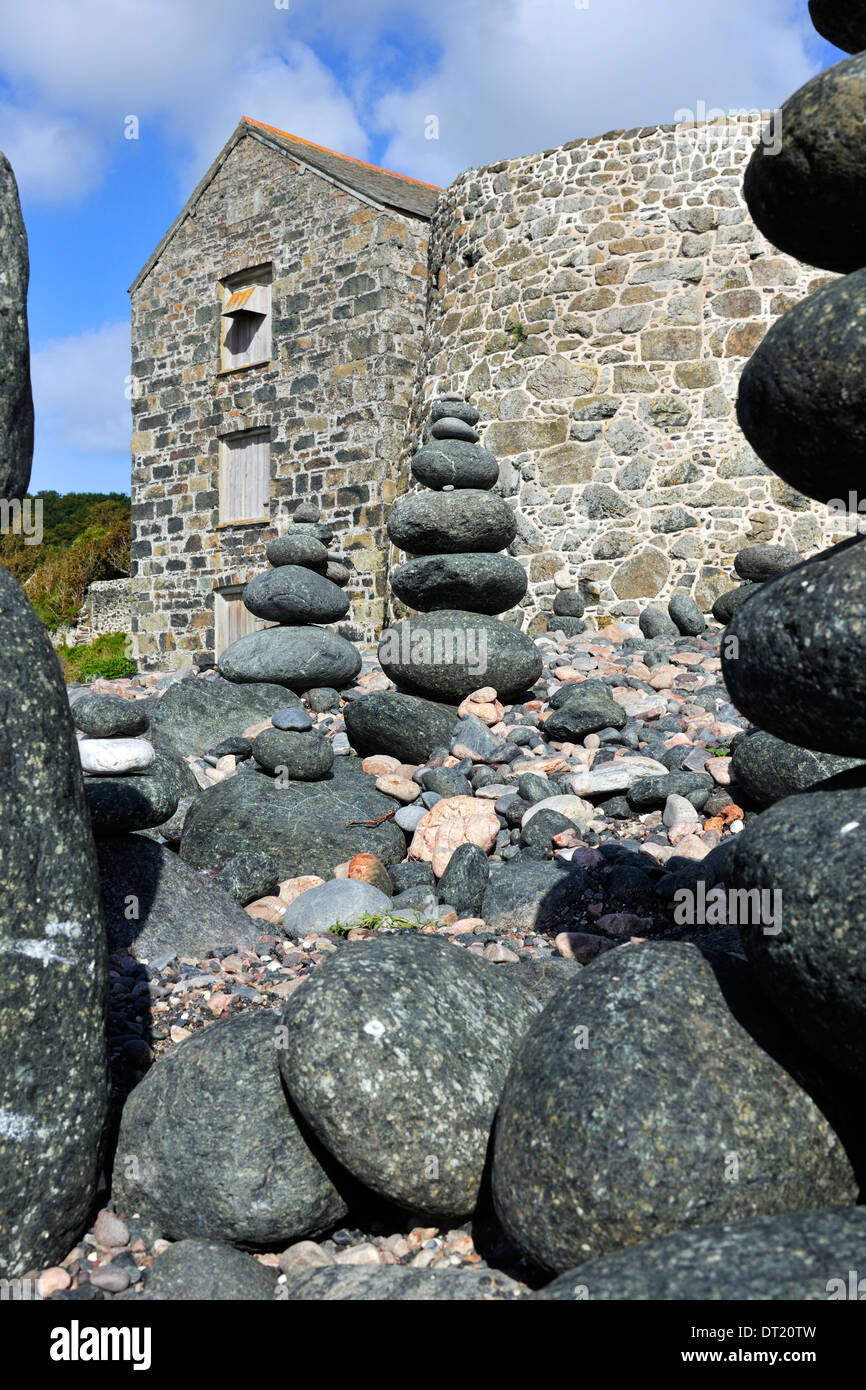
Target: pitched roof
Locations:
point(368, 182)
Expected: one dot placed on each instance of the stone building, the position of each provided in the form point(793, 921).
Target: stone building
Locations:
point(276, 332)
point(597, 302)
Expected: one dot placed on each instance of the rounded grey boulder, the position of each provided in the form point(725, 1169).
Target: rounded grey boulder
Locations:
point(448, 523)
point(760, 562)
point(813, 160)
point(297, 657)
point(305, 756)
point(768, 769)
point(218, 1152)
point(292, 594)
point(453, 463)
point(108, 716)
point(447, 654)
point(398, 1049)
point(799, 1255)
point(297, 547)
point(686, 614)
point(638, 1106)
point(305, 827)
point(481, 583)
point(809, 849)
point(402, 726)
point(802, 397)
point(797, 667)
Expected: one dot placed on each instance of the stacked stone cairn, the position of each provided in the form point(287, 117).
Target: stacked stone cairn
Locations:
point(793, 651)
point(296, 595)
point(455, 578)
point(754, 565)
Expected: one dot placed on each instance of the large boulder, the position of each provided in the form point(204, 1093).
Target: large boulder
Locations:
point(809, 850)
point(445, 523)
point(482, 583)
point(397, 1052)
point(761, 562)
point(300, 658)
point(799, 1255)
point(53, 1065)
point(139, 801)
point(638, 1106)
point(305, 827)
point(769, 769)
point(814, 161)
point(792, 656)
point(16, 399)
point(197, 713)
point(802, 395)
point(400, 725)
point(154, 902)
point(447, 654)
point(208, 1145)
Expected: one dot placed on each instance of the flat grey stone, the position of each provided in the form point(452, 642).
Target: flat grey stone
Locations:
point(447, 523)
point(207, 1271)
point(306, 756)
point(542, 896)
point(401, 726)
point(480, 583)
point(448, 654)
point(760, 562)
point(397, 1284)
point(343, 900)
point(109, 716)
point(769, 769)
point(297, 547)
point(452, 463)
point(198, 712)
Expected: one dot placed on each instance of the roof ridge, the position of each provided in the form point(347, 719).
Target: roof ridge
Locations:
point(350, 158)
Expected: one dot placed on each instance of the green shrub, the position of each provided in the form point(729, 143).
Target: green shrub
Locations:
point(106, 657)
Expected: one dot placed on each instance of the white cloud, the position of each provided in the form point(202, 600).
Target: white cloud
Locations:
point(79, 386)
point(504, 78)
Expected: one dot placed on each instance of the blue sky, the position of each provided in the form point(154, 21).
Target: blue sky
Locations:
point(502, 77)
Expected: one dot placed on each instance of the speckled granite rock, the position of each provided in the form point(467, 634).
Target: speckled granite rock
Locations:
point(726, 605)
point(218, 1152)
point(810, 849)
point(800, 1255)
point(453, 463)
point(802, 396)
point(816, 164)
point(841, 22)
point(207, 1271)
point(248, 876)
point(397, 1052)
point(400, 725)
point(661, 1115)
point(108, 716)
point(797, 670)
point(178, 909)
point(447, 654)
point(585, 711)
point(302, 826)
point(760, 562)
point(16, 400)
point(53, 1071)
point(768, 769)
point(481, 583)
point(198, 712)
point(445, 523)
point(134, 801)
point(293, 594)
point(401, 1285)
point(296, 657)
point(305, 757)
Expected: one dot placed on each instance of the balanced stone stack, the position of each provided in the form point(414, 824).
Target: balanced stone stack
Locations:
point(754, 565)
point(796, 668)
point(455, 577)
point(296, 595)
point(129, 784)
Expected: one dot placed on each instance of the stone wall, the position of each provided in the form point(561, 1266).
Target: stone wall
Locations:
point(348, 302)
point(597, 302)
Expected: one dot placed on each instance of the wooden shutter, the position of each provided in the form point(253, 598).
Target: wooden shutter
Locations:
point(232, 619)
point(245, 480)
